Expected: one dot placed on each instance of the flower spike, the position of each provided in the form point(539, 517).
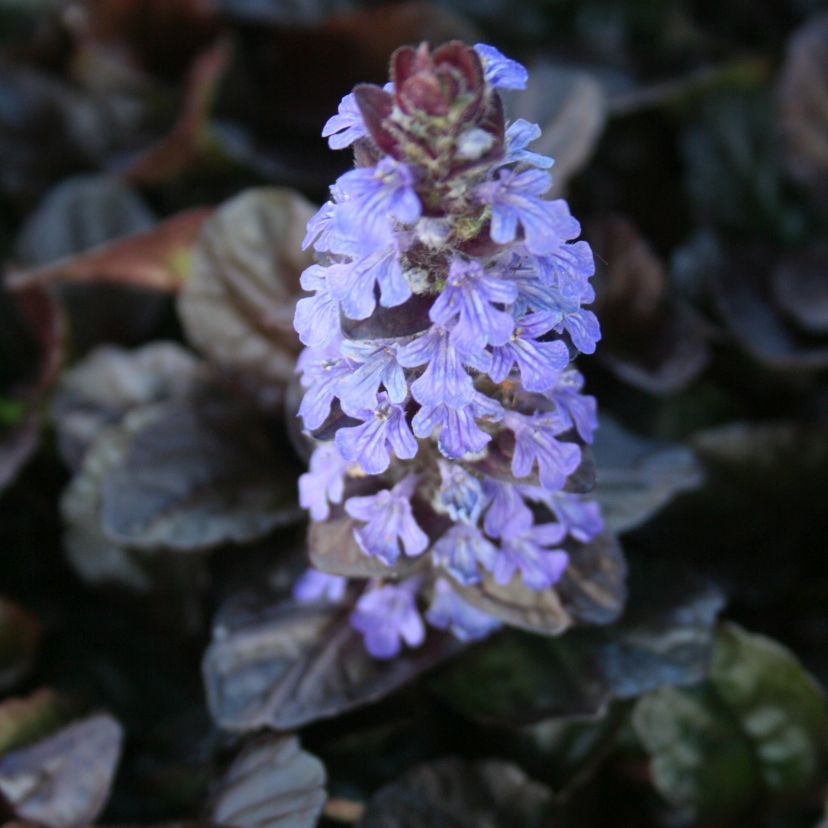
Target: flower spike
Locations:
point(443, 314)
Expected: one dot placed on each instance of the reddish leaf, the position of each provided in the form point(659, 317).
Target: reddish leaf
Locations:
point(158, 259)
point(189, 141)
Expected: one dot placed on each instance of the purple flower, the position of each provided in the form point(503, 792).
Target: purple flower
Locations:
point(460, 495)
point(581, 325)
point(324, 482)
point(540, 363)
point(470, 295)
point(501, 72)
point(317, 317)
point(577, 410)
point(314, 585)
point(571, 265)
point(323, 370)
point(581, 518)
point(384, 429)
point(545, 286)
point(460, 550)
point(375, 195)
point(448, 611)
point(515, 197)
point(387, 616)
point(353, 283)
point(346, 126)
point(518, 136)
point(535, 441)
point(320, 228)
point(389, 522)
point(459, 434)
point(374, 364)
point(444, 380)
point(505, 505)
point(524, 547)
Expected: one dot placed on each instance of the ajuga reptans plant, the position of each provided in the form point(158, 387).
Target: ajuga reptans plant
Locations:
point(446, 309)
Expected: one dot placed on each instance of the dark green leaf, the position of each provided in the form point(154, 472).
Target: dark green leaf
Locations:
point(453, 793)
point(757, 728)
point(24, 720)
point(664, 638)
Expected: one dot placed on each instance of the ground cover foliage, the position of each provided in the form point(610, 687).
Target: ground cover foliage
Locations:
point(158, 163)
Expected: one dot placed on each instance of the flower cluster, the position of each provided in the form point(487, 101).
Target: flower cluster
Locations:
point(446, 307)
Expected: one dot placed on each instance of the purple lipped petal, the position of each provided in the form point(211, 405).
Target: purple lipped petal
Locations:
point(389, 522)
point(448, 611)
point(387, 616)
point(370, 443)
point(498, 70)
point(444, 380)
point(461, 551)
point(324, 482)
point(346, 126)
point(314, 586)
point(519, 135)
point(535, 441)
point(506, 507)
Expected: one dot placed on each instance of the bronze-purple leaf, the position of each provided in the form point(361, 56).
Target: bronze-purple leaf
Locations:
point(539, 611)
point(272, 783)
point(111, 381)
point(333, 548)
point(593, 587)
point(195, 473)
point(63, 781)
point(649, 340)
point(238, 306)
point(155, 259)
point(297, 663)
point(800, 287)
point(742, 291)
